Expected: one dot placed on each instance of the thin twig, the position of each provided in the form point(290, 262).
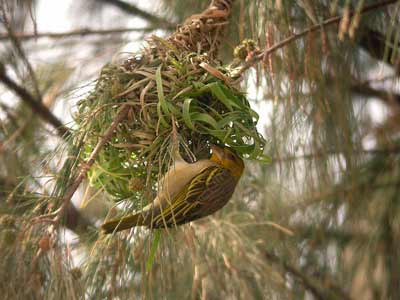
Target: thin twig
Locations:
point(306, 281)
point(341, 192)
point(376, 43)
point(66, 200)
point(74, 33)
point(136, 11)
point(309, 283)
point(367, 90)
point(11, 139)
point(324, 154)
point(35, 104)
point(334, 20)
point(20, 51)
point(321, 234)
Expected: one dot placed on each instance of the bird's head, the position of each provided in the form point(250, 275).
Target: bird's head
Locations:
point(227, 158)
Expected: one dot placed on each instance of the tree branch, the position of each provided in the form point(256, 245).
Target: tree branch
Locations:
point(320, 234)
point(331, 21)
point(375, 43)
point(74, 33)
point(324, 153)
point(20, 51)
point(35, 104)
point(366, 90)
point(136, 11)
point(309, 283)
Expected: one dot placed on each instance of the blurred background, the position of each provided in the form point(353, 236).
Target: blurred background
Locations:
point(321, 221)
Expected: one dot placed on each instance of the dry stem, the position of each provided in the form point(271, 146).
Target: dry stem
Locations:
point(334, 20)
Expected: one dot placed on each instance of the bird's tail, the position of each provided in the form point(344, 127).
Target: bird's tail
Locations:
point(119, 224)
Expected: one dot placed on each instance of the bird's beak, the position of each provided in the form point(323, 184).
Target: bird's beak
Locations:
point(217, 151)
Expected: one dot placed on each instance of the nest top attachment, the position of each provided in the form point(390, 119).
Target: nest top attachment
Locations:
point(201, 33)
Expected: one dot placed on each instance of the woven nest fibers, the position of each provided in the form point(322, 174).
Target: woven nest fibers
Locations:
point(171, 99)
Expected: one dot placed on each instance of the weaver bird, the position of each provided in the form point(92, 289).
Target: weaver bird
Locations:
point(188, 191)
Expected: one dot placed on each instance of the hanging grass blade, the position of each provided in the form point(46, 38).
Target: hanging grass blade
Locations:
point(206, 119)
point(186, 113)
point(153, 249)
point(217, 91)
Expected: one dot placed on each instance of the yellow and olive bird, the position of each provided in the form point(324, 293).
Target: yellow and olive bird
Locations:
point(189, 191)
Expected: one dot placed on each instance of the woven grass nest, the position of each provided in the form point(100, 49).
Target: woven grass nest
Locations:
point(175, 95)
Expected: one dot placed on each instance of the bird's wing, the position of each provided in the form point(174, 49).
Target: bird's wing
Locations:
point(204, 194)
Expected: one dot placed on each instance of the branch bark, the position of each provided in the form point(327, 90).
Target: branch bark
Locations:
point(319, 292)
point(366, 90)
point(80, 32)
point(376, 43)
point(323, 154)
point(35, 104)
point(21, 53)
point(136, 11)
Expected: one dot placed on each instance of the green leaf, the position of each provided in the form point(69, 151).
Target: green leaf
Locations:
point(239, 101)
point(153, 249)
point(161, 116)
point(205, 118)
point(220, 95)
point(186, 113)
point(263, 158)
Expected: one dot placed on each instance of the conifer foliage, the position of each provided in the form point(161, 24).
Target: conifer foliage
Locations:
point(85, 131)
